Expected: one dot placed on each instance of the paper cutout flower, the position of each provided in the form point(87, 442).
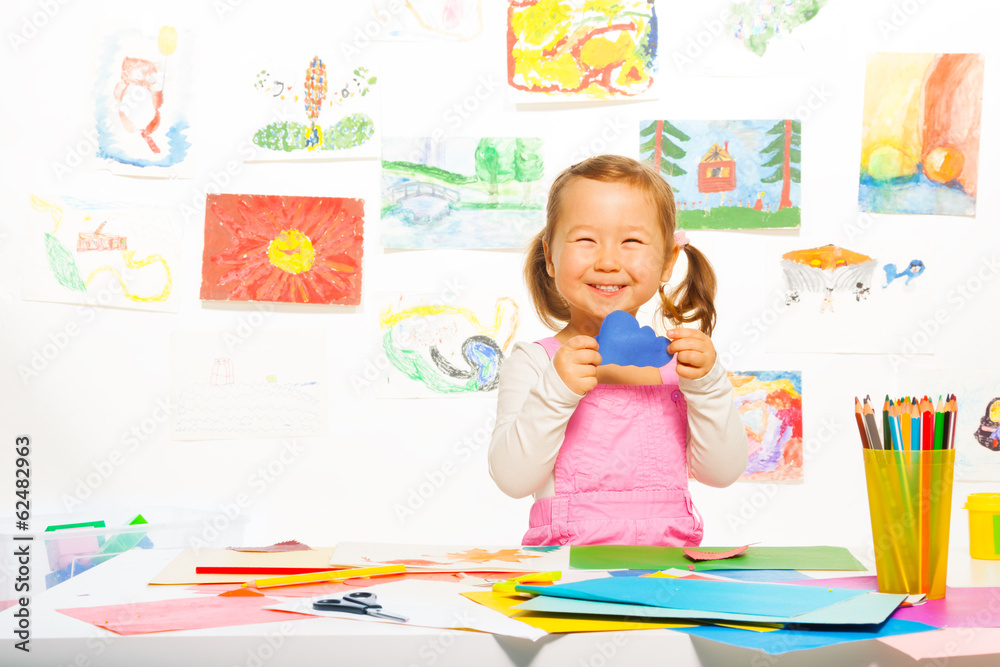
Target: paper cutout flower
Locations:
point(622, 341)
point(291, 249)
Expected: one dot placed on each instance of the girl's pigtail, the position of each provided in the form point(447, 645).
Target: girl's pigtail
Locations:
point(693, 300)
point(548, 303)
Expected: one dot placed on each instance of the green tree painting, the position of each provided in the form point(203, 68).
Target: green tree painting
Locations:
point(657, 148)
point(784, 151)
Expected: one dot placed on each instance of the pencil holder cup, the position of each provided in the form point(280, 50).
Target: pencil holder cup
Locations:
point(984, 525)
point(909, 495)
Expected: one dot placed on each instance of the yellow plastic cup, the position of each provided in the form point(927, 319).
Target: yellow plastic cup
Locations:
point(909, 496)
point(984, 525)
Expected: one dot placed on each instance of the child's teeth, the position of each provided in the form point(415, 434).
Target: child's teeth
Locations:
point(608, 288)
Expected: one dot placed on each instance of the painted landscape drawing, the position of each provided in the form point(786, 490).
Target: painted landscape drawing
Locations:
point(290, 249)
point(863, 299)
point(444, 349)
point(728, 174)
point(270, 385)
point(143, 102)
point(580, 49)
point(462, 192)
point(920, 134)
point(770, 406)
point(101, 253)
point(424, 20)
point(314, 111)
point(754, 23)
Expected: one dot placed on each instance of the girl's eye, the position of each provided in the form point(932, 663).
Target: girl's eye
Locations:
point(633, 241)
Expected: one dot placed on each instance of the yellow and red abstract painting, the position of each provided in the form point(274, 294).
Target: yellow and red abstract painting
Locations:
point(289, 249)
point(920, 137)
point(587, 49)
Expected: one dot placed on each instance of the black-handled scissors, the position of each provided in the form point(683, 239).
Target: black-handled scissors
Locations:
point(359, 602)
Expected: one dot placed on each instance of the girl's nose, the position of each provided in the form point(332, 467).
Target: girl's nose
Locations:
point(607, 260)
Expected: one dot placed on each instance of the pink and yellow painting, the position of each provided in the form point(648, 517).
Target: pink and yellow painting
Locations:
point(289, 249)
point(586, 49)
point(920, 136)
point(770, 405)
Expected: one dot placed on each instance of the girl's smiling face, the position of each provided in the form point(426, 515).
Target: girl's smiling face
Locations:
point(607, 252)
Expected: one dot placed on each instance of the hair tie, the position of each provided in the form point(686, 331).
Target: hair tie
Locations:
point(680, 238)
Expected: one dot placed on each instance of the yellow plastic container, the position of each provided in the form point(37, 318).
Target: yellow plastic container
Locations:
point(984, 525)
point(909, 495)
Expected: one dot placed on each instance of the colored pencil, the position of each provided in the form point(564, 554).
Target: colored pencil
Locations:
point(939, 417)
point(887, 442)
point(904, 423)
point(316, 577)
point(873, 437)
point(858, 410)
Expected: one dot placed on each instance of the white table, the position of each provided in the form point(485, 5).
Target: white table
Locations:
point(58, 640)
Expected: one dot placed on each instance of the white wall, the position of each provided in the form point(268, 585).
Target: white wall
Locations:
point(109, 377)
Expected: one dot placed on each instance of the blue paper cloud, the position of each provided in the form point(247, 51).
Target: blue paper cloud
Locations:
point(622, 341)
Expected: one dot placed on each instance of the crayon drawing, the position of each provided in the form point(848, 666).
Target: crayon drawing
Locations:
point(828, 298)
point(728, 174)
point(312, 110)
point(977, 437)
point(444, 349)
point(451, 558)
point(462, 192)
point(290, 249)
point(143, 102)
point(580, 49)
point(770, 405)
point(920, 135)
point(425, 20)
point(100, 253)
point(755, 23)
point(270, 385)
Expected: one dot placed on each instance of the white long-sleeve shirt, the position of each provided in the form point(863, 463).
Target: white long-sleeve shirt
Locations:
point(534, 406)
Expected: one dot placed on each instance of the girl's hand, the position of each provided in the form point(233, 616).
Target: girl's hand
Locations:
point(694, 351)
point(576, 363)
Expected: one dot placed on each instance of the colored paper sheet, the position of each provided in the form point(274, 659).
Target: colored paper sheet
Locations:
point(860, 583)
point(181, 569)
point(864, 609)
point(764, 576)
point(947, 643)
point(959, 608)
point(623, 342)
point(613, 557)
point(429, 604)
point(504, 604)
point(437, 558)
point(185, 614)
point(735, 597)
point(787, 640)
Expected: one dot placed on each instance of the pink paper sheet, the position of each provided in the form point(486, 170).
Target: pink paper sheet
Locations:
point(187, 614)
point(966, 607)
point(947, 643)
point(330, 587)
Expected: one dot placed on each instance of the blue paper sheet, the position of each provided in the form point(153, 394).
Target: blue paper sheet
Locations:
point(718, 596)
point(866, 609)
point(791, 639)
point(622, 341)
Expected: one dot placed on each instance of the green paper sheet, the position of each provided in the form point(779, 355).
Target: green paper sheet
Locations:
point(867, 609)
point(622, 557)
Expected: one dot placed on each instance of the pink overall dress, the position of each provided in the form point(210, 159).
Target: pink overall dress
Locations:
point(621, 473)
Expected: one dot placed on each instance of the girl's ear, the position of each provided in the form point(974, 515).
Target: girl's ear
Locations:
point(668, 270)
point(550, 268)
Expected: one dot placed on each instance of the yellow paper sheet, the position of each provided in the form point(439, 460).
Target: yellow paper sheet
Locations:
point(180, 571)
point(503, 602)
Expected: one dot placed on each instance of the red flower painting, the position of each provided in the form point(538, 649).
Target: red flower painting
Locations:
point(289, 249)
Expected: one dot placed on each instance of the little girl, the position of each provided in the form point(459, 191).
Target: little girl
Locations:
point(606, 449)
